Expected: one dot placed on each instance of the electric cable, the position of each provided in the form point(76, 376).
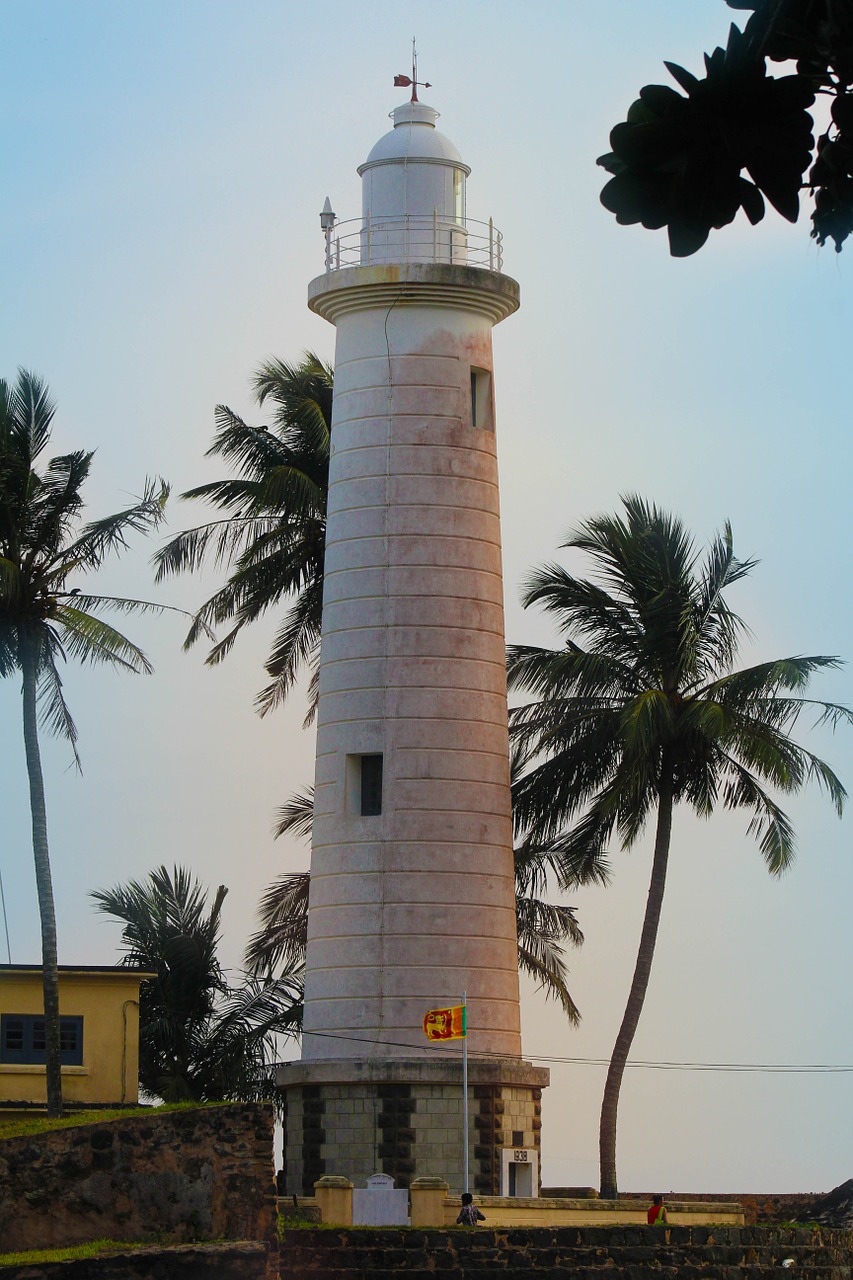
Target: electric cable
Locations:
point(768, 1068)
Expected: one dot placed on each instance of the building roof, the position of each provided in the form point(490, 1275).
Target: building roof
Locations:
point(81, 970)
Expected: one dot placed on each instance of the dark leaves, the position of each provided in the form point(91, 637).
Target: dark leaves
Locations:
point(679, 161)
point(831, 177)
point(816, 34)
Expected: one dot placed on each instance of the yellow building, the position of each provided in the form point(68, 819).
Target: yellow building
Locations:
point(99, 1036)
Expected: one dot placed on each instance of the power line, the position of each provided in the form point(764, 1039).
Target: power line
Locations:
point(5, 921)
point(767, 1068)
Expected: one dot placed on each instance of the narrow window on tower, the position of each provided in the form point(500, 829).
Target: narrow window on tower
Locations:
point(458, 194)
point(481, 398)
point(371, 786)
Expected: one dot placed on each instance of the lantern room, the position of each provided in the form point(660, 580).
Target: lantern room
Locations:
point(413, 192)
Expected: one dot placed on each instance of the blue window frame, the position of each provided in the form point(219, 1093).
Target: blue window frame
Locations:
point(22, 1039)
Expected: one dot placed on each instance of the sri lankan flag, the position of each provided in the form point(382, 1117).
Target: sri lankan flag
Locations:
point(446, 1024)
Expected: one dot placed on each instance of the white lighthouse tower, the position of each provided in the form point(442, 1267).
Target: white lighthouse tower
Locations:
point(412, 896)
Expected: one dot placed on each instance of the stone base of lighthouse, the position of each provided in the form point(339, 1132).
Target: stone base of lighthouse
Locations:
point(403, 1117)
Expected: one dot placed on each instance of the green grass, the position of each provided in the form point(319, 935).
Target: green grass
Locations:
point(90, 1250)
point(292, 1219)
point(44, 1124)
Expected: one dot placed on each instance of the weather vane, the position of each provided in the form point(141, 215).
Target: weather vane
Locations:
point(403, 82)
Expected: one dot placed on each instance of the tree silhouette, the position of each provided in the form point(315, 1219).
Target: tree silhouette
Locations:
point(737, 136)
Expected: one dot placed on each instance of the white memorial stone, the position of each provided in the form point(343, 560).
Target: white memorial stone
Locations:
point(380, 1204)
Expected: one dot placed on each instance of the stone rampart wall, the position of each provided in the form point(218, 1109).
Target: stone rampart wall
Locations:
point(832, 1209)
point(173, 1176)
point(778, 1208)
point(245, 1261)
point(759, 1207)
point(618, 1253)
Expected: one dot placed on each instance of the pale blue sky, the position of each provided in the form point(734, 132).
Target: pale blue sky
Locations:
point(164, 166)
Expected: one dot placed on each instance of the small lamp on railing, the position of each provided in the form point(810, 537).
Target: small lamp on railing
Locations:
point(327, 224)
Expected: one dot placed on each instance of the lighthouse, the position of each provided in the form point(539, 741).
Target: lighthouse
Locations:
point(412, 899)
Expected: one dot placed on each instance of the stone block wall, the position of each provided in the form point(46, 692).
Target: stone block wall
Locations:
point(759, 1207)
point(193, 1174)
point(771, 1208)
point(505, 1116)
point(406, 1130)
point(616, 1253)
point(243, 1261)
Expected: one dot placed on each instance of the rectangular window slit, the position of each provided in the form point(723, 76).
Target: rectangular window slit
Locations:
point(371, 786)
point(481, 399)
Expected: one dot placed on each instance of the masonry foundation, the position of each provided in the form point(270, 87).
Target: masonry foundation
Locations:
point(404, 1118)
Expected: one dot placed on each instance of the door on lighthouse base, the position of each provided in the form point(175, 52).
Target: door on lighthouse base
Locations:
point(519, 1172)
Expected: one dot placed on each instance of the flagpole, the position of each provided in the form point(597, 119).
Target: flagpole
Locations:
point(465, 1095)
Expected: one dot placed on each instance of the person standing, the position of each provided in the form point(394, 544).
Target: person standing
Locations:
point(657, 1213)
point(469, 1214)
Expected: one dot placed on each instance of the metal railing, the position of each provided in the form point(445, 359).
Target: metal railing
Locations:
point(364, 242)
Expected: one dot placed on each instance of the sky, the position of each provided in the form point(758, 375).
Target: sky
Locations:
point(164, 165)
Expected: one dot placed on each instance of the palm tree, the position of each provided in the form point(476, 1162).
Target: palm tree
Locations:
point(43, 621)
point(642, 710)
point(543, 927)
point(201, 1039)
point(273, 531)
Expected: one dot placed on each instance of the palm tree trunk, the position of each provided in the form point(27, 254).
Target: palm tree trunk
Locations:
point(637, 994)
point(44, 887)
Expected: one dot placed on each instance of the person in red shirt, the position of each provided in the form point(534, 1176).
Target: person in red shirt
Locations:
point(657, 1213)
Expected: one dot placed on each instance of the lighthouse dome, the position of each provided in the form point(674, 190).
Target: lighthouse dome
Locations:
point(414, 137)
